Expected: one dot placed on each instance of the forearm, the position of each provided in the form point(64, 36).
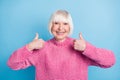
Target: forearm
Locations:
point(102, 57)
point(19, 59)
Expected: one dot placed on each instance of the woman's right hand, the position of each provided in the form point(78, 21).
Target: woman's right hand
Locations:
point(36, 43)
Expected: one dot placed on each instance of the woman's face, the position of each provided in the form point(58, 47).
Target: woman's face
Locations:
point(60, 30)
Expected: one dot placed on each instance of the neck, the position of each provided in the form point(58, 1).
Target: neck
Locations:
point(60, 40)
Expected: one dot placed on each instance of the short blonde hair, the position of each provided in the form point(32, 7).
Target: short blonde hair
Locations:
point(61, 15)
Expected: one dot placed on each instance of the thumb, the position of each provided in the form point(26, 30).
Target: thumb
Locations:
point(80, 36)
point(37, 36)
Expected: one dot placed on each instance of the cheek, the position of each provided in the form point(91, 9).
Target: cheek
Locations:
point(68, 29)
point(54, 28)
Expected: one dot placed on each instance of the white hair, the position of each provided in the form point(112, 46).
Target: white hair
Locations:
point(61, 15)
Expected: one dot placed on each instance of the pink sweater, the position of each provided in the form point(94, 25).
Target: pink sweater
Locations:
point(59, 60)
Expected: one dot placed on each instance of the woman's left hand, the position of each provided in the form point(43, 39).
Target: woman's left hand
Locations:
point(80, 43)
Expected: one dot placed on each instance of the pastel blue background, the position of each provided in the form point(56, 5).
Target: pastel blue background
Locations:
point(98, 20)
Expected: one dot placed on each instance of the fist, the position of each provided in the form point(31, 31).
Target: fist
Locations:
point(80, 44)
point(36, 43)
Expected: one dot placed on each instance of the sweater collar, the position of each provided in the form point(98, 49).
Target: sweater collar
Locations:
point(63, 43)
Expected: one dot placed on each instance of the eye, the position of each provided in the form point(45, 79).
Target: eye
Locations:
point(65, 23)
point(56, 23)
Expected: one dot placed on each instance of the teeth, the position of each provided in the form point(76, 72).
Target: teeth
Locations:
point(60, 32)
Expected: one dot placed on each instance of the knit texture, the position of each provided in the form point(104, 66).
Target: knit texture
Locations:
point(59, 60)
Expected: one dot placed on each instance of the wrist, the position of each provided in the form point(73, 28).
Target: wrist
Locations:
point(29, 47)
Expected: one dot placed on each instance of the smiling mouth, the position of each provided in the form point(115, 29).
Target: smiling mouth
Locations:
point(60, 33)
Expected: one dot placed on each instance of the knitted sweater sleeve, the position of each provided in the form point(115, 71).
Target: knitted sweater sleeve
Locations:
point(99, 56)
point(20, 59)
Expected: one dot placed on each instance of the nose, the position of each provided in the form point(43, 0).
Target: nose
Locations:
point(60, 26)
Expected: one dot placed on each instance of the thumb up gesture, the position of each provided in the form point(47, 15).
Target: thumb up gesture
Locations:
point(36, 43)
point(80, 44)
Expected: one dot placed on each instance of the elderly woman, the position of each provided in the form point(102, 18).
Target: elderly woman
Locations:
point(62, 57)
